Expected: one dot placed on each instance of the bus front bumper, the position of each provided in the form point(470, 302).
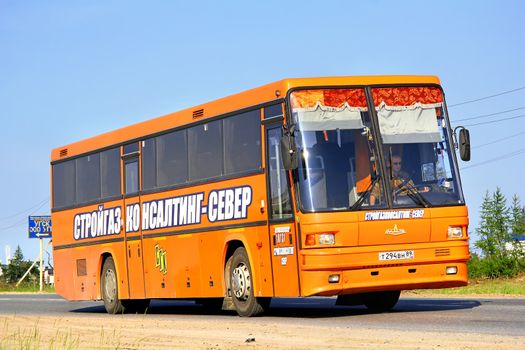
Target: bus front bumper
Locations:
point(349, 272)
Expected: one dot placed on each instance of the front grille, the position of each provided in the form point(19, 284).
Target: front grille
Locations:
point(442, 252)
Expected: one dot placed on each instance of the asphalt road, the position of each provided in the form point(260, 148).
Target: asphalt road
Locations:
point(503, 316)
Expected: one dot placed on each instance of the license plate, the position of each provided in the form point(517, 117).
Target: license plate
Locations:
point(399, 255)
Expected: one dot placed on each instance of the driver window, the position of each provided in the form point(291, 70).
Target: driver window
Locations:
point(280, 199)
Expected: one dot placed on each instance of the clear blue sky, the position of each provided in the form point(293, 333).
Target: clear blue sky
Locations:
point(74, 69)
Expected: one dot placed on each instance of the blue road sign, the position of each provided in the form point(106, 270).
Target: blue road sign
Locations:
point(40, 227)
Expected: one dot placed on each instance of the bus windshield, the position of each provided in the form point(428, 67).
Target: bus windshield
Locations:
point(339, 167)
point(416, 146)
point(335, 147)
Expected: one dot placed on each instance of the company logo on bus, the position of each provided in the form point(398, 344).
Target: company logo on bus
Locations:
point(101, 222)
point(395, 231)
point(161, 259)
point(222, 205)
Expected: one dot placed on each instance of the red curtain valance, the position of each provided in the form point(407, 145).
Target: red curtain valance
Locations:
point(329, 98)
point(407, 96)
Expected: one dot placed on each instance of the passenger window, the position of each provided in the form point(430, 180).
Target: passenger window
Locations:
point(172, 159)
point(110, 173)
point(131, 174)
point(88, 178)
point(149, 165)
point(205, 151)
point(64, 184)
point(242, 142)
point(273, 111)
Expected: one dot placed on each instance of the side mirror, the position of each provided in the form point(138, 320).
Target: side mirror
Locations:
point(289, 153)
point(464, 144)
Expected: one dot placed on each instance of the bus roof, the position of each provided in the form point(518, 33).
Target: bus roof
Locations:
point(224, 105)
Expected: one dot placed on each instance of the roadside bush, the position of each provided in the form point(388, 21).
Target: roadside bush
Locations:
point(494, 267)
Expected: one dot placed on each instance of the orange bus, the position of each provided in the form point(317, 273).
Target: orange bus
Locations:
point(340, 186)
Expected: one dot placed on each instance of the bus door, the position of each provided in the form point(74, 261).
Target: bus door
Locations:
point(282, 232)
point(132, 221)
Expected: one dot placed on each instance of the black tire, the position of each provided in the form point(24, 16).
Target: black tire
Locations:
point(381, 301)
point(246, 304)
point(109, 287)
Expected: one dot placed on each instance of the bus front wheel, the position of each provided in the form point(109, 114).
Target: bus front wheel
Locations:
point(381, 301)
point(246, 304)
point(109, 286)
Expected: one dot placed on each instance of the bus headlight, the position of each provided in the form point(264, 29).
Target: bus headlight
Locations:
point(326, 239)
point(455, 232)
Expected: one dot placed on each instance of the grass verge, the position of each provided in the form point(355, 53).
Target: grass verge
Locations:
point(500, 286)
point(27, 287)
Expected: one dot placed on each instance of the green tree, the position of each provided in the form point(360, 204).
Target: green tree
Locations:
point(498, 223)
point(517, 226)
point(493, 229)
point(19, 256)
point(17, 267)
point(517, 213)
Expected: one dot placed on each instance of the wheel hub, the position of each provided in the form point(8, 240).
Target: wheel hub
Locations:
point(241, 282)
point(110, 285)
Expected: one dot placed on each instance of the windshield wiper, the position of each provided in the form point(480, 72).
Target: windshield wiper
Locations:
point(365, 194)
point(412, 192)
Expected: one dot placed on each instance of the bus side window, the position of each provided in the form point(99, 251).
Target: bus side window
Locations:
point(131, 173)
point(205, 151)
point(242, 142)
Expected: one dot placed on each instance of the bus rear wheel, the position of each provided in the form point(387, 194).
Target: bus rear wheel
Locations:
point(381, 301)
point(109, 286)
point(246, 304)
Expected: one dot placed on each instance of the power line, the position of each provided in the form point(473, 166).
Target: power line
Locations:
point(26, 210)
point(24, 220)
point(489, 115)
point(498, 140)
point(16, 224)
point(497, 120)
point(505, 156)
point(487, 97)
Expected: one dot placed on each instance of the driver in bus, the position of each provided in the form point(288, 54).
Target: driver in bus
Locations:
point(398, 175)
point(398, 178)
